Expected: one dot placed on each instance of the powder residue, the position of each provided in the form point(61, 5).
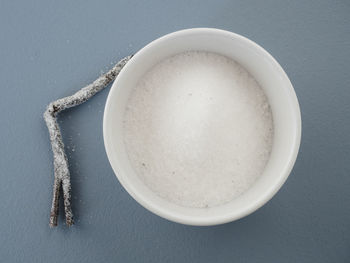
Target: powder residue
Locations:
point(198, 129)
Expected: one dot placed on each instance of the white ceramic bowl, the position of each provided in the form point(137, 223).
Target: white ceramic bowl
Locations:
point(280, 93)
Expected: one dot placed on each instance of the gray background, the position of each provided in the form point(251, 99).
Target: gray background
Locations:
point(49, 49)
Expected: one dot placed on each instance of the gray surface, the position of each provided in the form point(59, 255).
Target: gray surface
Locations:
point(50, 49)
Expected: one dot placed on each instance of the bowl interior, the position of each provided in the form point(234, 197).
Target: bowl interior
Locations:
point(276, 85)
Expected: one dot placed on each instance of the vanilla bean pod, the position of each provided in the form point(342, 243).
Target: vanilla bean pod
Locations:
point(61, 170)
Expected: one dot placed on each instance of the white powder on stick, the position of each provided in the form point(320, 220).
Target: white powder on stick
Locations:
point(198, 129)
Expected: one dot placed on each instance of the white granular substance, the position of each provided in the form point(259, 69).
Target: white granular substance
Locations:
point(198, 129)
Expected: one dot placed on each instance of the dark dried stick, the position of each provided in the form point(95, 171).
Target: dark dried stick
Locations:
point(60, 161)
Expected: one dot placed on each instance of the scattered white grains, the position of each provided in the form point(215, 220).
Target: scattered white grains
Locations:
point(198, 129)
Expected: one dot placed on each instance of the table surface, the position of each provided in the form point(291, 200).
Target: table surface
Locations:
point(50, 49)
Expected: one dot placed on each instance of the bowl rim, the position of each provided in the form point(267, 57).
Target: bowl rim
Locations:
point(225, 218)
